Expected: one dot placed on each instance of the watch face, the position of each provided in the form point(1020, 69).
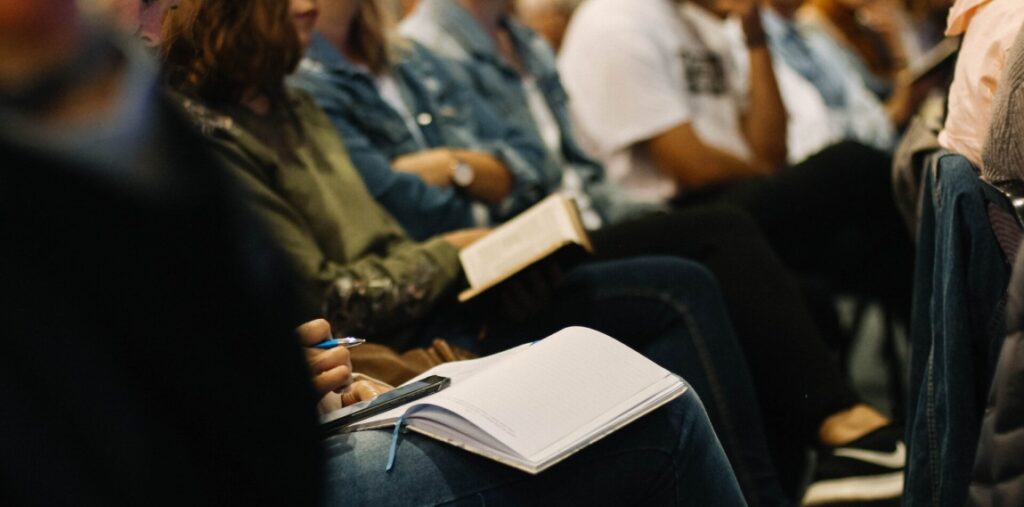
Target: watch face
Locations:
point(463, 174)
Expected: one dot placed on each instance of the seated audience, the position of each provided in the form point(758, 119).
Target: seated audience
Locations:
point(336, 71)
point(683, 129)
point(853, 111)
point(876, 32)
point(212, 405)
point(988, 28)
point(283, 150)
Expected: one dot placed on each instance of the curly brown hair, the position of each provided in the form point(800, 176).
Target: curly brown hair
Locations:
point(222, 50)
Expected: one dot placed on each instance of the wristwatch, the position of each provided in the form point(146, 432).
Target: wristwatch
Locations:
point(463, 174)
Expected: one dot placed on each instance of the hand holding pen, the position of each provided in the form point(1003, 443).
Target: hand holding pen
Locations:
point(328, 358)
point(348, 342)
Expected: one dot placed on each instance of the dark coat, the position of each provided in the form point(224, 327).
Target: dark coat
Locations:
point(147, 357)
point(999, 466)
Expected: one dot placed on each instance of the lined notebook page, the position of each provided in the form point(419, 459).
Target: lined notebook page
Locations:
point(564, 382)
point(458, 371)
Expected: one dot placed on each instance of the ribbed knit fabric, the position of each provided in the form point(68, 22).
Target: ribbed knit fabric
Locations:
point(1003, 154)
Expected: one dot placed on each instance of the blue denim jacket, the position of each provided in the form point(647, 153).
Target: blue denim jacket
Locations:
point(448, 115)
point(452, 32)
point(956, 330)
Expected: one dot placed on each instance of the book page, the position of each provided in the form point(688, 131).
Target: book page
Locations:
point(560, 385)
point(458, 371)
point(518, 243)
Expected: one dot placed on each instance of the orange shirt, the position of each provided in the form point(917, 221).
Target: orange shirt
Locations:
point(989, 28)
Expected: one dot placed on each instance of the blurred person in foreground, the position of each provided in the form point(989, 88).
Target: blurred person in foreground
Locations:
point(149, 353)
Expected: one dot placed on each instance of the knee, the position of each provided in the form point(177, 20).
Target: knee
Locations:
point(677, 275)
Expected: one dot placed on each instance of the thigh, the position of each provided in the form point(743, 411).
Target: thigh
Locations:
point(671, 311)
point(669, 457)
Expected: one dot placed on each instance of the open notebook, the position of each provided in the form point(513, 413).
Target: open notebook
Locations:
point(534, 405)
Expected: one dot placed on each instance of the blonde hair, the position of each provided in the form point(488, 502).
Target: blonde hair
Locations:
point(373, 37)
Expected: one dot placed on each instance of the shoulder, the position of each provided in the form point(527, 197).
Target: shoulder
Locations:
point(306, 109)
point(233, 146)
point(617, 26)
point(420, 28)
point(538, 48)
point(312, 75)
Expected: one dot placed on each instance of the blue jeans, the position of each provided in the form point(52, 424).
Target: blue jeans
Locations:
point(671, 311)
point(668, 457)
point(957, 327)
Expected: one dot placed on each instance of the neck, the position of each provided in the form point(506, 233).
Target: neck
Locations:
point(487, 12)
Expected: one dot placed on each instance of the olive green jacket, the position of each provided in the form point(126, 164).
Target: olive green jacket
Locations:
point(357, 265)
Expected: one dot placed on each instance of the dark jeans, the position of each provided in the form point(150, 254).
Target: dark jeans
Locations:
point(668, 457)
point(797, 379)
point(671, 311)
point(956, 330)
point(831, 217)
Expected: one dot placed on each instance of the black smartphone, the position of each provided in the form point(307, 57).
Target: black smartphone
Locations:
point(387, 401)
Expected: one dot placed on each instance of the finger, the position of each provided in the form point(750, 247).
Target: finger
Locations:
point(314, 332)
point(323, 360)
point(360, 391)
point(333, 380)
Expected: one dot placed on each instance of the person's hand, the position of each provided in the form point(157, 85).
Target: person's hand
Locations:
point(362, 390)
point(434, 165)
point(462, 238)
point(332, 368)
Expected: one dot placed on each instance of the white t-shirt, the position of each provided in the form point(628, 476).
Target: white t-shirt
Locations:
point(388, 89)
point(551, 133)
point(809, 128)
point(637, 68)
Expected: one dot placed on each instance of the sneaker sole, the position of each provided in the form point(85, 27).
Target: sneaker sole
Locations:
point(855, 489)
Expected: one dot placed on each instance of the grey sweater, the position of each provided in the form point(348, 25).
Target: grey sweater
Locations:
point(1003, 154)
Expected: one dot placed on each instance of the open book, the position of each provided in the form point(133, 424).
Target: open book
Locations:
point(534, 405)
point(546, 228)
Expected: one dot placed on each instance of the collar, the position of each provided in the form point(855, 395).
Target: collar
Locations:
point(322, 53)
point(775, 24)
point(960, 16)
point(460, 24)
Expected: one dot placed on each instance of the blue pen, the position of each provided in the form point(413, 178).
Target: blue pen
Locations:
point(348, 342)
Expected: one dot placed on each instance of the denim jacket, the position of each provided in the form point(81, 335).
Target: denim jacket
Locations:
point(448, 116)
point(452, 32)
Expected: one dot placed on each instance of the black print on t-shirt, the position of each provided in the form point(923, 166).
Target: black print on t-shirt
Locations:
point(705, 73)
